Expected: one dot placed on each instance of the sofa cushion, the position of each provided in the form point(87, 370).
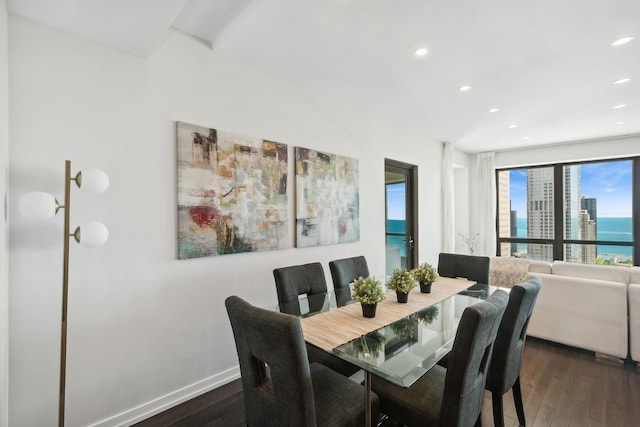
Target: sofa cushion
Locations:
point(610, 273)
point(539, 266)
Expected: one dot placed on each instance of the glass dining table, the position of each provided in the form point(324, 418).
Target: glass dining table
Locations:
point(400, 351)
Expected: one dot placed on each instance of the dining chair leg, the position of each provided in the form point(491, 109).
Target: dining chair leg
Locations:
point(367, 399)
point(517, 400)
point(498, 413)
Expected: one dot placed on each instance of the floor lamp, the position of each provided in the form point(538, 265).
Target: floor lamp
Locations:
point(41, 205)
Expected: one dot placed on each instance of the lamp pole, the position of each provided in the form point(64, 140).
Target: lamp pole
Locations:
point(65, 293)
point(40, 205)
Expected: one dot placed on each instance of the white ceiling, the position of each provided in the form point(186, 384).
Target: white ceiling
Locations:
point(546, 64)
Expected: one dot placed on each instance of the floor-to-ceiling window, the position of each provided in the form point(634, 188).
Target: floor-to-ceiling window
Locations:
point(580, 212)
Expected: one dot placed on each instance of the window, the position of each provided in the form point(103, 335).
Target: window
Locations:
point(578, 212)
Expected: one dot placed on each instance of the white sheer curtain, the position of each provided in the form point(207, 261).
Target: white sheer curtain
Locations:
point(486, 167)
point(448, 208)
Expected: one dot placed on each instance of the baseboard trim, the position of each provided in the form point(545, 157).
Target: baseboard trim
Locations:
point(169, 400)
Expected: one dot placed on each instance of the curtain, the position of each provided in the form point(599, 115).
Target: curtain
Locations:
point(486, 165)
point(448, 208)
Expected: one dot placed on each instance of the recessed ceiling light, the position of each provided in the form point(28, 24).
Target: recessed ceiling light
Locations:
point(464, 88)
point(620, 81)
point(493, 110)
point(620, 123)
point(421, 52)
point(512, 126)
point(525, 137)
point(623, 40)
point(620, 106)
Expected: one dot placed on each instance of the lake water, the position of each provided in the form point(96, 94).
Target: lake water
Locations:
point(608, 228)
point(612, 229)
point(397, 226)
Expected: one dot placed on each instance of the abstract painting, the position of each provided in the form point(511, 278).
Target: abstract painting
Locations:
point(232, 193)
point(327, 198)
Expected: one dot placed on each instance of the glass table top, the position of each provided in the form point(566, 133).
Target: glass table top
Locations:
point(404, 350)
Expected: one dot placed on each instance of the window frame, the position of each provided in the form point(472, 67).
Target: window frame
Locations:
point(558, 242)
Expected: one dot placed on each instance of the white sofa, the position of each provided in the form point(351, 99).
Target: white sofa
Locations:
point(585, 306)
point(634, 313)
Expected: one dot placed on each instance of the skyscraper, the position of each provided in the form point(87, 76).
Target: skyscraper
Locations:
point(540, 220)
point(571, 211)
point(587, 231)
point(590, 204)
point(540, 211)
point(504, 213)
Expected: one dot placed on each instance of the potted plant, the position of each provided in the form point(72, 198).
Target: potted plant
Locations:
point(368, 291)
point(401, 281)
point(425, 274)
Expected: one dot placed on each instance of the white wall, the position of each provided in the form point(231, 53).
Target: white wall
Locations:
point(4, 274)
point(145, 329)
point(576, 151)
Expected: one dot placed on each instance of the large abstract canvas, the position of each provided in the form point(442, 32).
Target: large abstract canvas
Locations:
point(327, 199)
point(232, 193)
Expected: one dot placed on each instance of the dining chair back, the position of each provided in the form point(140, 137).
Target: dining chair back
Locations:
point(297, 280)
point(469, 361)
point(308, 279)
point(451, 396)
point(346, 270)
point(290, 392)
point(470, 267)
point(504, 371)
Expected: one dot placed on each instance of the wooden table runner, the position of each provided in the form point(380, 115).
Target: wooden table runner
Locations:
point(333, 328)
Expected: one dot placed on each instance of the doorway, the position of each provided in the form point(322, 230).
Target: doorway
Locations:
point(401, 215)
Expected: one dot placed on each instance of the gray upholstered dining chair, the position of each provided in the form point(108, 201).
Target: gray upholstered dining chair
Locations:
point(296, 280)
point(290, 392)
point(504, 371)
point(450, 397)
point(308, 279)
point(346, 270)
point(468, 266)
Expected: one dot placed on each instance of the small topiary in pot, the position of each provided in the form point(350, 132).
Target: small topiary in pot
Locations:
point(368, 291)
point(401, 281)
point(425, 274)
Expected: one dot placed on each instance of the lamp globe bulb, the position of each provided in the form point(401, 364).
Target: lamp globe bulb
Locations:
point(94, 181)
point(38, 205)
point(92, 234)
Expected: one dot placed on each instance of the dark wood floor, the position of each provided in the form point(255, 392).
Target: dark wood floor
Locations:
point(561, 386)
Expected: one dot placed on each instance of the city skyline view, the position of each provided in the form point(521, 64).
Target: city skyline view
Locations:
point(608, 182)
point(597, 200)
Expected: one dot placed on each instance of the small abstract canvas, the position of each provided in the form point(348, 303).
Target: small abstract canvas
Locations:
point(327, 198)
point(232, 193)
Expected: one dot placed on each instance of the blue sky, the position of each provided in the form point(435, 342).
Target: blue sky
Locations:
point(609, 182)
point(395, 201)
